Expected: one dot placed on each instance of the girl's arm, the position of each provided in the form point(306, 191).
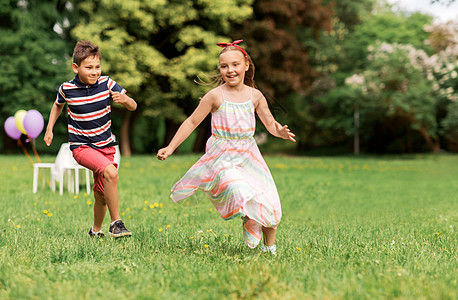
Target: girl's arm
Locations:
point(188, 126)
point(56, 110)
point(274, 128)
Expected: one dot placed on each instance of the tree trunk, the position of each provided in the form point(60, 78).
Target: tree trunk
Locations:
point(203, 133)
point(124, 135)
point(170, 130)
point(433, 142)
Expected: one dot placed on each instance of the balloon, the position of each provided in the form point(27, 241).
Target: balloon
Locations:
point(19, 118)
point(11, 129)
point(33, 123)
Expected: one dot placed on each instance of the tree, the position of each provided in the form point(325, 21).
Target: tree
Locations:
point(156, 49)
point(399, 94)
point(278, 37)
point(443, 39)
point(344, 52)
point(34, 49)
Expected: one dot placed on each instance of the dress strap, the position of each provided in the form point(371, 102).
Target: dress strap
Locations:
point(222, 94)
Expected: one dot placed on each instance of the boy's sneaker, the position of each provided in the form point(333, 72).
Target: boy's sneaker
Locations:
point(118, 229)
point(97, 234)
point(272, 249)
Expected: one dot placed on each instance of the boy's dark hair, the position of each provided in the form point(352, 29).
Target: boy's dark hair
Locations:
point(83, 50)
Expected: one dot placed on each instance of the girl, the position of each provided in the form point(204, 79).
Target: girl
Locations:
point(232, 172)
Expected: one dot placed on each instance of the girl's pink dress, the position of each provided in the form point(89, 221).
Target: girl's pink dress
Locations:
point(233, 174)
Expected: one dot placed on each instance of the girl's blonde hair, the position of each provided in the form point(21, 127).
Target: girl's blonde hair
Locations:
point(217, 79)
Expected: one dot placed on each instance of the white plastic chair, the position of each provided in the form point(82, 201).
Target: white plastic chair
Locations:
point(64, 165)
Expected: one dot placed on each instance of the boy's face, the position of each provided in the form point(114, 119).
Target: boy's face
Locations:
point(89, 70)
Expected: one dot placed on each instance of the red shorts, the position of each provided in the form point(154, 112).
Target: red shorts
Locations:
point(95, 160)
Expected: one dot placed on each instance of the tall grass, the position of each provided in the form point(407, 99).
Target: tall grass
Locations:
point(352, 228)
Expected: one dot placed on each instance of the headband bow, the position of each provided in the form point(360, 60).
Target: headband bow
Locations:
point(234, 44)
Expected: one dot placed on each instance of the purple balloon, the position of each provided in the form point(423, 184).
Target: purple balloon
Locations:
point(11, 129)
point(33, 123)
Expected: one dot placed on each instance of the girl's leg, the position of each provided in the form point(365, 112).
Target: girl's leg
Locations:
point(111, 191)
point(268, 235)
point(100, 209)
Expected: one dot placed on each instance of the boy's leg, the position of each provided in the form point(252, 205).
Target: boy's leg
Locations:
point(100, 209)
point(111, 191)
point(268, 235)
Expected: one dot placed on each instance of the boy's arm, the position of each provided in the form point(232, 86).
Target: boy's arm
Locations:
point(125, 100)
point(203, 109)
point(56, 110)
point(272, 126)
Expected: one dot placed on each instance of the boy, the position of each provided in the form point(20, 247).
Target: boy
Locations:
point(88, 97)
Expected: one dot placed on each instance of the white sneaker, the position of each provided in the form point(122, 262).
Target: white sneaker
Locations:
point(272, 249)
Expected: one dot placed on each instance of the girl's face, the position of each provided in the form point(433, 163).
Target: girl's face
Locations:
point(89, 70)
point(232, 66)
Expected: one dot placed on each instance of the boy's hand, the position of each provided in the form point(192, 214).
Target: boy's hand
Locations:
point(48, 138)
point(284, 132)
point(118, 97)
point(163, 153)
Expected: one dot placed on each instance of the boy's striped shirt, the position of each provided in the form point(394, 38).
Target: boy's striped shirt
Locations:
point(89, 111)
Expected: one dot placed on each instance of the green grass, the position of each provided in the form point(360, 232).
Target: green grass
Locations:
point(352, 228)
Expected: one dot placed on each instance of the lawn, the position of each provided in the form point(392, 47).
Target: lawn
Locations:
point(352, 228)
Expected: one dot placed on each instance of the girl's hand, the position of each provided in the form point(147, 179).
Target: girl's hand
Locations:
point(48, 137)
point(284, 132)
point(163, 153)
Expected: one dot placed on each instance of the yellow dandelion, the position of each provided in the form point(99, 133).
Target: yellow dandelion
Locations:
point(168, 226)
point(38, 219)
point(187, 202)
point(146, 202)
point(156, 204)
point(144, 208)
point(85, 194)
point(151, 206)
point(226, 234)
point(45, 212)
point(160, 229)
point(49, 215)
point(438, 233)
point(184, 249)
point(75, 197)
point(18, 226)
point(123, 213)
point(298, 248)
point(34, 203)
point(210, 209)
point(127, 209)
point(206, 246)
point(191, 237)
point(160, 211)
point(160, 205)
point(88, 202)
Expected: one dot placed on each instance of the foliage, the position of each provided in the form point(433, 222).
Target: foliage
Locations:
point(340, 235)
point(397, 90)
point(444, 39)
point(410, 87)
point(156, 49)
point(34, 53)
point(278, 36)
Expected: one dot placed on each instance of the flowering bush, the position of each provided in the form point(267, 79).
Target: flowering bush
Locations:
point(407, 84)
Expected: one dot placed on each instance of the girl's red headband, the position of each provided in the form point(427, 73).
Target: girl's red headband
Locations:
point(234, 44)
